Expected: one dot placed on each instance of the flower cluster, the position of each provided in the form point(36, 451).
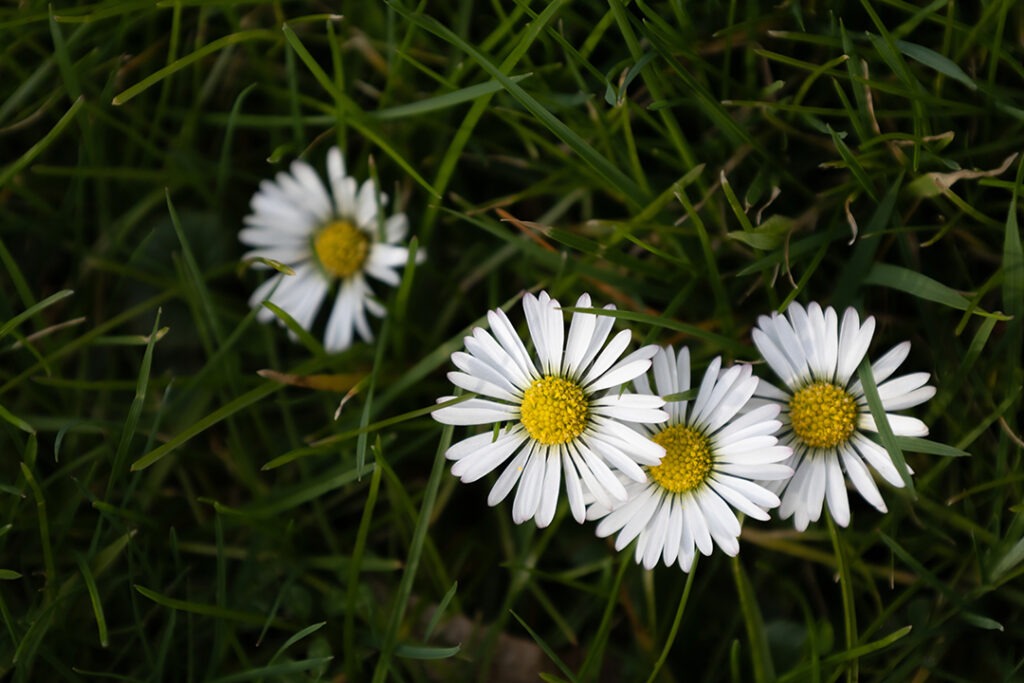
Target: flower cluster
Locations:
point(663, 464)
point(634, 447)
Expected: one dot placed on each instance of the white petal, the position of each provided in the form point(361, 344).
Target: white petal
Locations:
point(616, 458)
point(607, 358)
point(478, 443)
point(902, 425)
point(472, 365)
point(861, 478)
point(590, 483)
point(509, 476)
point(637, 446)
point(789, 343)
point(602, 328)
point(752, 447)
point(617, 515)
point(677, 409)
point(622, 372)
point(896, 393)
point(488, 351)
point(734, 388)
point(573, 489)
point(341, 324)
point(488, 457)
point(481, 386)
point(602, 474)
point(654, 536)
point(528, 493)
point(854, 340)
point(694, 517)
point(835, 491)
point(707, 388)
point(549, 490)
point(722, 522)
point(638, 520)
point(581, 330)
point(830, 346)
point(511, 343)
point(674, 533)
point(776, 359)
point(752, 492)
point(756, 422)
point(367, 203)
point(639, 408)
point(316, 199)
point(878, 458)
point(539, 311)
point(396, 227)
point(476, 411)
point(666, 379)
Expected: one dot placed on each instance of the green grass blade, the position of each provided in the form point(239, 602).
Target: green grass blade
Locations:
point(95, 600)
point(760, 654)
point(179, 64)
point(885, 435)
point(390, 638)
point(38, 148)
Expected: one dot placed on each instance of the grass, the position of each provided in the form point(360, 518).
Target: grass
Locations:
point(177, 501)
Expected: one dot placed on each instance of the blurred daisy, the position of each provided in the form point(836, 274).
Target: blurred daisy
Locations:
point(712, 458)
point(329, 239)
point(561, 414)
point(824, 412)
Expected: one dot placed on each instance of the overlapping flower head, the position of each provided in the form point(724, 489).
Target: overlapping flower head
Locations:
point(825, 414)
point(714, 458)
point(558, 413)
point(328, 238)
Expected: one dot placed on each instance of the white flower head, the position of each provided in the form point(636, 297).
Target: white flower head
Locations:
point(824, 411)
point(327, 238)
point(713, 455)
point(561, 408)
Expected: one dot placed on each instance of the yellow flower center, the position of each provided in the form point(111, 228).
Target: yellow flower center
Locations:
point(554, 410)
point(341, 248)
point(823, 415)
point(687, 462)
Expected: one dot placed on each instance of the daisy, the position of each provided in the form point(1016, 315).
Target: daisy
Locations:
point(824, 411)
point(712, 458)
point(327, 239)
point(561, 410)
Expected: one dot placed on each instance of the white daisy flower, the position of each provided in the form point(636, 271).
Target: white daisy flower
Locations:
point(824, 411)
point(562, 414)
point(326, 238)
point(712, 459)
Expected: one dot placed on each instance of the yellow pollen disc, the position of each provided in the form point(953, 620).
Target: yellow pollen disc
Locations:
point(687, 462)
point(823, 415)
point(341, 248)
point(554, 410)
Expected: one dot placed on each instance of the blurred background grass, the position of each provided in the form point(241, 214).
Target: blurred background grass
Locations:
point(696, 163)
